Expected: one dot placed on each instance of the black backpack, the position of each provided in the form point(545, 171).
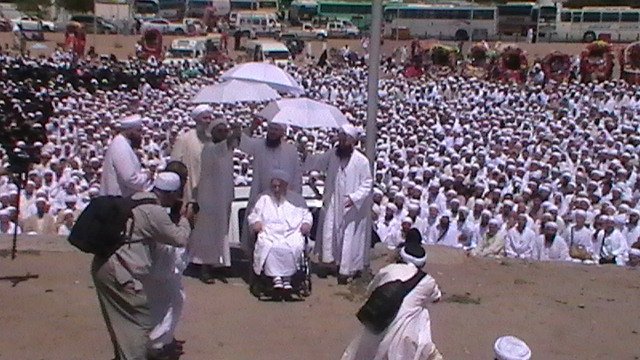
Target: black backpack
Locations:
point(101, 228)
point(383, 305)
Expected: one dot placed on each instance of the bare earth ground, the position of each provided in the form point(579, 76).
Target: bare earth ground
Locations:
point(564, 311)
point(123, 46)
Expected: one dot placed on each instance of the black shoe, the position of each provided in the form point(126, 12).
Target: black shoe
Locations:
point(343, 280)
point(322, 272)
point(205, 275)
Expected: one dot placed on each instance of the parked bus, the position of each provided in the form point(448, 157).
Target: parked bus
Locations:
point(198, 8)
point(271, 5)
point(302, 10)
point(443, 22)
point(357, 12)
point(147, 8)
point(587, 24)
point(517, 18)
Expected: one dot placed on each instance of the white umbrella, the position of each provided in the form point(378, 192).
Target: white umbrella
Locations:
point(304, 113)
point(233, 91)
point(39, 46)
point(265, 73)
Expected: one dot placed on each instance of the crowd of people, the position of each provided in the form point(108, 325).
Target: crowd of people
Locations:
point(536, 171)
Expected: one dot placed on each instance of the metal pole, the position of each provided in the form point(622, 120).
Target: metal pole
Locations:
point(372, 99)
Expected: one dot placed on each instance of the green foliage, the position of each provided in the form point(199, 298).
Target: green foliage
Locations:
point(76, 5)
point(36, 7)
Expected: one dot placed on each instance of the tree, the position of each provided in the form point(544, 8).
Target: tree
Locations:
point(76, 5)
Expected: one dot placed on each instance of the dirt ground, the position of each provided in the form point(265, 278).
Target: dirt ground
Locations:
point(563, 311)
point(123, 46)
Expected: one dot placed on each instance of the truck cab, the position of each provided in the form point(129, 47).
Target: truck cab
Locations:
point(268, 51)
point(342, 29)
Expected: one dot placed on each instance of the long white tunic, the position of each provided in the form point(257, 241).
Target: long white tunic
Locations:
point(121, 171)
point(558, 251)
point(188, 150)
point(342, 230)
point(409, 335)
point(281, 221)
point(613, 245)
point(520, 244)
point(209, 243)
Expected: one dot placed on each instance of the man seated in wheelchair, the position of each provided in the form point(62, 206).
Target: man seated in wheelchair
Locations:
point(280, 220)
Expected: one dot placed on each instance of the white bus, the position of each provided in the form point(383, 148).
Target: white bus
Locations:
point(442, 21)
point(620, 24)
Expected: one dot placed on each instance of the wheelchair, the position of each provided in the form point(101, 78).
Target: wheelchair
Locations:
point(261, 286)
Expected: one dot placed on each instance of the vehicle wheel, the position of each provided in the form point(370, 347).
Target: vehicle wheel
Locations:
point(47, 29)
point(589, 37)
point(320, 37)
point(179, 32)
point(246, 34)
point(462, 35)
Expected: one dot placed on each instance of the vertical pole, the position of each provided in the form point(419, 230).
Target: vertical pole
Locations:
point(95, 27)
point(397, 21)
point(372, 101)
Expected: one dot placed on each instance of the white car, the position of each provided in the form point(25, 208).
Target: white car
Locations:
point(188, 26)
point(32, 23)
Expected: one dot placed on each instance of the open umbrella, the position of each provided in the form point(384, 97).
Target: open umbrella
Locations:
point(303, 112)
point(233, 91)
point(265, 73)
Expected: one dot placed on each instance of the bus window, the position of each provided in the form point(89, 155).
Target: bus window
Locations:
point(515, 10)
point(610, 17)
point(461, 14)
point(591, 17)
point(577, 17)
point(630, 17)
point(565, 16)
point(483, 14)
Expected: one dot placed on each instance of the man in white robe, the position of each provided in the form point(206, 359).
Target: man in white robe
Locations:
point(579, 236)
point(613, 245)
point(188, 148)
point(122, 172)
point(520, 239)
point(409, 335)
point(550, 246)
point(280, 219)
point(346, 205)
point(273, 152)
point(209, 243)
point(446, 233)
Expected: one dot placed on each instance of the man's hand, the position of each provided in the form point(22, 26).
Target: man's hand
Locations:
point(189, 214)
point(258, 227)
point(305, 229)
point(348, 203)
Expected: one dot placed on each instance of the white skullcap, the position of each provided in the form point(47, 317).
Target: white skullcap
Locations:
point(392, 206)
point(200, 110)
point(167, 181)
point(511, 348)
point(131, 122)
point(218, 120)
point(280, 175)
point(407, 220)
point(351, 130)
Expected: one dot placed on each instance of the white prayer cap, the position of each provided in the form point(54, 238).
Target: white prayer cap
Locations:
point(551, 225)
point(511, 348)
point(280, 175)
point(167, 181)
point(131, 122)
point(392, 206)
point(41, 199)
point(407, 220)
point(5, 212)
point(199, 111)
point(218, 120)
point(351, 130)
point(494, 222)
point(580, 213)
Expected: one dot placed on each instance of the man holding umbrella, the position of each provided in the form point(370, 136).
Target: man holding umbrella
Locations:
point(343, 220)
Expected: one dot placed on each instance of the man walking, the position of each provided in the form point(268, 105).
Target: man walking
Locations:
point(118, 278)
point(122, 173)
point(343, 219)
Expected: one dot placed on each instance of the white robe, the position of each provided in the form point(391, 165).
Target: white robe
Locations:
point(188, 150)
point(558, 251)
point(613, 245)
point(280, 244)
point(121, 171)
point(409, 335)
point(342, 231)
point(520, 244)
point(209, 242)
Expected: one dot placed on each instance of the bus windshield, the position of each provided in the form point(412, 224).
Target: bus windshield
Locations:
point(278, 55)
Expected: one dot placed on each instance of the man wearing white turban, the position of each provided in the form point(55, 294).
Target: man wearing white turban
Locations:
point(122, 172)
point(188, 148)
point(209, 244)
point(341, 237)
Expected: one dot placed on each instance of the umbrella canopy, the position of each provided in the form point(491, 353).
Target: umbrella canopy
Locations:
point(233, 91)
point(267, 74)
point(39, 46)
point(304, 113)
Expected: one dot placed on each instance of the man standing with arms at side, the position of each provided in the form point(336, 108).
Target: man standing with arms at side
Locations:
point(209, 244)
point(118, 278)
point(122, 173)
point(343, 220)
point(188, 148)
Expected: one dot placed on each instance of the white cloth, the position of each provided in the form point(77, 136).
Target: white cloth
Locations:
point(121, 171)
point(613, 245)
point(409, 335)
point(280, 243)
point(209, 242)
point(188, 150)
point(342, 231)
point(520, 244)
point(558, 251)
